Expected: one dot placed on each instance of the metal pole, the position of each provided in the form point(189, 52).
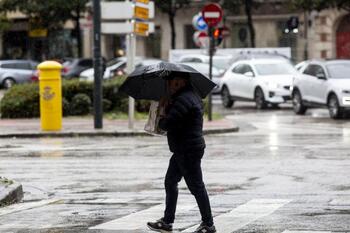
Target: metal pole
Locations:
point(211, 52)
point(131, 51)
point(306, 27)
point(98, 112)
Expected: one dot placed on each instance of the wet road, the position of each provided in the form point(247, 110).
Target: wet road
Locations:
point(280, 173)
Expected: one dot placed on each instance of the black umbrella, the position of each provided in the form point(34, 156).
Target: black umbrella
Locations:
point(149, 82)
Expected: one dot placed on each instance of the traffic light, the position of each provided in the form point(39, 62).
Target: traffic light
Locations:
point(218, 37)
point(292, 25)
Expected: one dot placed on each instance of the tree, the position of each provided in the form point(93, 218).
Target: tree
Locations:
point(170, 7)
point(77, 7)
point(234, 6)
point(50, 15)
point(319, 5)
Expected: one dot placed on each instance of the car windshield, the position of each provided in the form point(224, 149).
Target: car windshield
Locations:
point(274, 68)
point(221, 63)
point(339, 70)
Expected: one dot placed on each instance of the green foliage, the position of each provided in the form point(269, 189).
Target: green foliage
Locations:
point(80, 105)
point(42, 13)
point(65, 107)
point(170, 7)
point(311, 4)
point(107, 105)
point(21, 101)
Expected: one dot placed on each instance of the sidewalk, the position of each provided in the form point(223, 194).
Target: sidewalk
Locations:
point(79, 127)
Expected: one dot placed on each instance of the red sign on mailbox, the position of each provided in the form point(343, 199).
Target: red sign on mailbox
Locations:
point(212, 14)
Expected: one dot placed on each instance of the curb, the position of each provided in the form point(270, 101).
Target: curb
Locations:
point(103, 134)
point(11, 193)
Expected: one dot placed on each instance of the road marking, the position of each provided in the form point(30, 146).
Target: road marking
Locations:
point(287, 231)
point(137, 221)
point(245, 214)
point(26, 206)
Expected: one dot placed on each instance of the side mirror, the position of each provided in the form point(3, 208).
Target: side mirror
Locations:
point(249, 74)
point(321, 76)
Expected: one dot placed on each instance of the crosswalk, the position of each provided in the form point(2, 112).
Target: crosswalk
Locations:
point(226, 223)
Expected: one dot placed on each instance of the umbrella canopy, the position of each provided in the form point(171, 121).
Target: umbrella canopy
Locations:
point(149, 82)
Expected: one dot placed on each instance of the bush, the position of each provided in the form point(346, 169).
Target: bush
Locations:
point(22, 101)
point(80, 105)
point(65, 106)
point(107, 105)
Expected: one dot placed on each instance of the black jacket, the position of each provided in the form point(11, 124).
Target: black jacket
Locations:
point(184, 122)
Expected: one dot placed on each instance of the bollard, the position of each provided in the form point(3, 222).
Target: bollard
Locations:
point(50, 95)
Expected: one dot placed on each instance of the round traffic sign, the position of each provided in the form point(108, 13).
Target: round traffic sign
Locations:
point(212, 14)
point(201, 39)
point(199, 23)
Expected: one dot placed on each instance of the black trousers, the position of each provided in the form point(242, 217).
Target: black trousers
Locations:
point(187, 166)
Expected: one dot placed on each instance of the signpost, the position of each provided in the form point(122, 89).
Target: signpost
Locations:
point(128, 18)
point(212, 15)
point(98, 111)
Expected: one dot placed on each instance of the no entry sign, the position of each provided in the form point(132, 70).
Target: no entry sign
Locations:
point(212, 14)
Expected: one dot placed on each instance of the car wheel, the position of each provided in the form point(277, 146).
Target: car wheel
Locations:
point(334, 108)
point(8, 83)
point(226, 98)
point(298, 106)
point(260, 99)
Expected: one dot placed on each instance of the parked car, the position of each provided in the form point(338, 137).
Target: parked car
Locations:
point(263, 80)
point(204, 69)
point(323, 83)
point(17, 71)
point(116, 67)
point(72, 67)
point(222, 62)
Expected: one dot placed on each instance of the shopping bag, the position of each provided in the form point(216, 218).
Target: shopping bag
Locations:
point(152, 124)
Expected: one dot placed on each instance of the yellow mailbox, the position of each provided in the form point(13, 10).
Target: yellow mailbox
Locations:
point(50, 95)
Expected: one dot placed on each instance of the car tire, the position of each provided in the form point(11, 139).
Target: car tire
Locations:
point(227, 101)
point(334, 108)
point(259, 98)
point(8, 83)
point(298, 106)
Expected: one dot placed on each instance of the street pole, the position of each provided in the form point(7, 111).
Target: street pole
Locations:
point(211, 52)
point(306, 27)
point(98, 112)
point(130, 54)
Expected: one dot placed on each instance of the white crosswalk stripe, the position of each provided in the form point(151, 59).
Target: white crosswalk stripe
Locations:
point(225, 223)
point(137, 220)
point(245, 214)
point(287, 231)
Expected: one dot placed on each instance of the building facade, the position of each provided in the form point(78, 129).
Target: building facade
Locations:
point(324, 34)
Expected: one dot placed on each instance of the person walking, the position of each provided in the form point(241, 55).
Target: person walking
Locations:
point(183, 121)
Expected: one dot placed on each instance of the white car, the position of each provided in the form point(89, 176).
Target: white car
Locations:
point(221, 62)
point(116, 67)
point(204, 69)
point(263, 80)
point(323, 83)
point(112, 67)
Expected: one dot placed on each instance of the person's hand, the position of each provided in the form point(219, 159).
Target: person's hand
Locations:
point(164, 102)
